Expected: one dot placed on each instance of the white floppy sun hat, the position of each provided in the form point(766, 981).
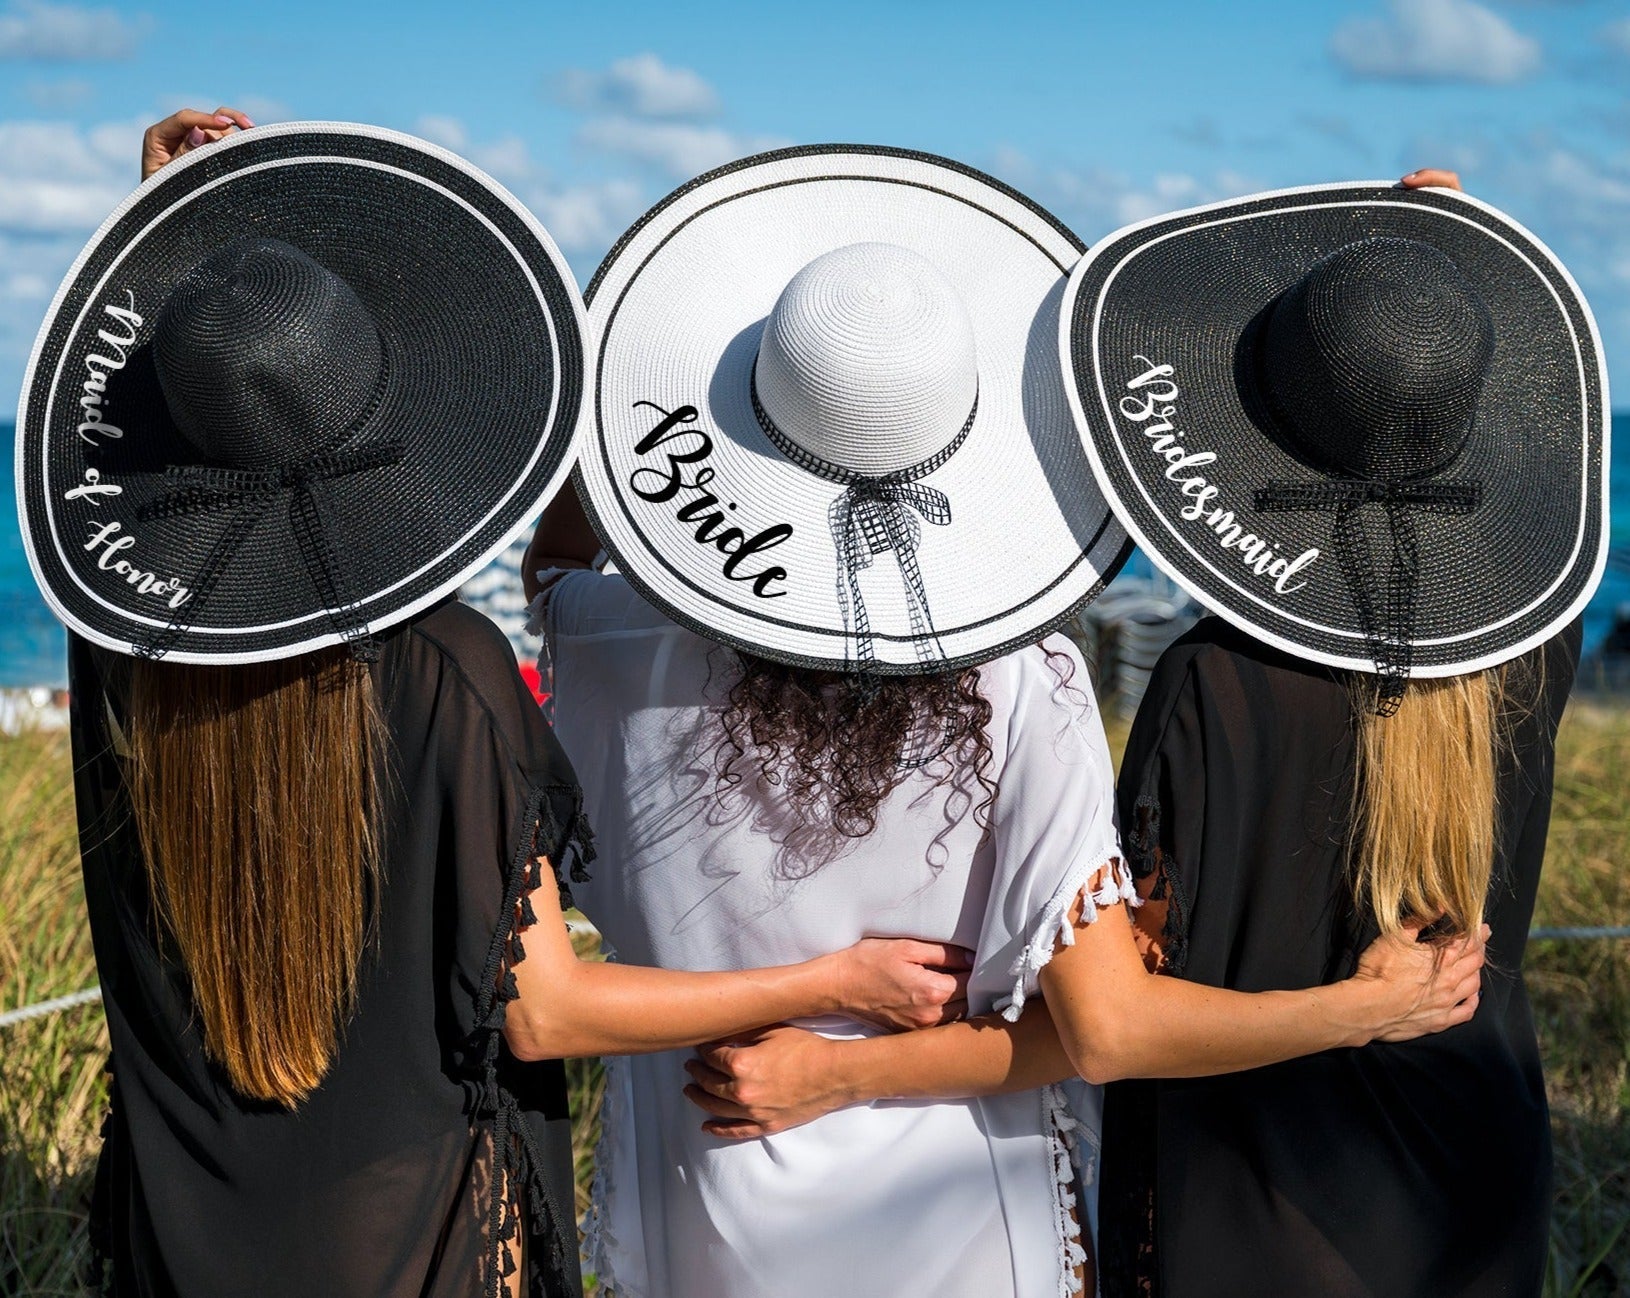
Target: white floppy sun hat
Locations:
point(830, 425)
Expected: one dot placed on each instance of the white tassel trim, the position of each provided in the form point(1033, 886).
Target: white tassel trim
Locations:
point(1064, 1153)
point(535, 612)
point(1054, 926)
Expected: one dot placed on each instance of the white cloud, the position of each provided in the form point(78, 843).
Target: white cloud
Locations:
point(507, 159)
point(448, 132)
point(681, 149)
point(641, 85)
point(31, 29)
point(1616, 36)
point(261, 110)
point(58, 178)
point(1095, 201)
point(586, 219)
point(1435, 40)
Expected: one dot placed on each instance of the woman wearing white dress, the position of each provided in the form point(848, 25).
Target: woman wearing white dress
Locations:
point(832, 458)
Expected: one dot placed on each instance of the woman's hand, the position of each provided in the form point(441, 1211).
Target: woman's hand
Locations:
point(766, 1081)
point(899, 983)
point(1424, 986)
point(1436, 177)
point(184, 131)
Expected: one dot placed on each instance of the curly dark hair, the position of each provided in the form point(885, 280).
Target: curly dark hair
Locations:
point(836, 744)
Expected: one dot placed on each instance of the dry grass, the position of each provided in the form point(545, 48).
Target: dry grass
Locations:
point(51, 1069)
point(51, 1089)
point(1581, 994)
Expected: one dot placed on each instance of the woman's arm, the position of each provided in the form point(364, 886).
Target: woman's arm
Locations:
point(1106, 1017)
point(775, 1078)
point(568, 1007)
point(1117, 1020)
point(563, 539)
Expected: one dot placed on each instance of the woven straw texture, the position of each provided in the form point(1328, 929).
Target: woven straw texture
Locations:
point(680, 306)
point(1393, 397)
point(463, 311)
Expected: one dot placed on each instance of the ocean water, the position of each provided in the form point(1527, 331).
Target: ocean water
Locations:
point(33, 648)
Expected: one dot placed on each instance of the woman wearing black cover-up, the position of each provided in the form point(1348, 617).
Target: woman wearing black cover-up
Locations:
point(318, 808)
point(1366, 427)
point(1416, 1168)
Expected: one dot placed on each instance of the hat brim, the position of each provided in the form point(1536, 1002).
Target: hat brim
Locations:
point(487, 339)
point(1183, 291)
point(678, 307)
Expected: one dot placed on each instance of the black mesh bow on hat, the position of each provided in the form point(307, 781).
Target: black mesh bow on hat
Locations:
point(1371, 367)
point(272, 368)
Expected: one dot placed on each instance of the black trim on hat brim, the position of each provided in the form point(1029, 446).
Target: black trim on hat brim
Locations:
point(631, 570)
point(1195, 320)
point(520, 419)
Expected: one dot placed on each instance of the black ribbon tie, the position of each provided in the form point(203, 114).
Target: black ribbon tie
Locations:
point(250, 494)
point(1386, 609)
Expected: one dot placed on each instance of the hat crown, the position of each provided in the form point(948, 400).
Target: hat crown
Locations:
point(266, 357)
point(868, 359)
point(1375, 359)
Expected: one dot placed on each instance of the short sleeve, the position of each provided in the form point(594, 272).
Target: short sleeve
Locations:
point(1161, 797)
point(1053, 823)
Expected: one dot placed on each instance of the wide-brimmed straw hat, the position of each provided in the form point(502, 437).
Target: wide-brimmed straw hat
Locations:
point(300, 385)
point(1364, 424)
point(829, 422)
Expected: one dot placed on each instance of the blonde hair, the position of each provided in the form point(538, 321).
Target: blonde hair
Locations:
point(1425, 799)
point(255, 792)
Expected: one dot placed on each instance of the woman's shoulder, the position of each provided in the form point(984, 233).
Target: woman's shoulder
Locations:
point(1050, 673)
point(583, 602)
point(454, 661)
point(469, 641)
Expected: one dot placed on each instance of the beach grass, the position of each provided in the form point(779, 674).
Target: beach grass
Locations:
point(52, 1090)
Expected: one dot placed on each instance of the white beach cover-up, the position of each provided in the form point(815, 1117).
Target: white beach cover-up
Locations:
point(965, 1199)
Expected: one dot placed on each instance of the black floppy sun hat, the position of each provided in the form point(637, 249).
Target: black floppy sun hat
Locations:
point(1365, 424)
point(300, 385)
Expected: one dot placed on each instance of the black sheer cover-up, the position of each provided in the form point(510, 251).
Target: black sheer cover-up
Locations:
point(1392, 1170)
point(429, 1162)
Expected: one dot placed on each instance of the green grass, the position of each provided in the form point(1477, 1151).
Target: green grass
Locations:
point(52, 1091)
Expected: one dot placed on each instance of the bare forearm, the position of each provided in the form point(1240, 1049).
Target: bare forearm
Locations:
point(982, 1056)
point(616, 1009)
point(1165, 1027)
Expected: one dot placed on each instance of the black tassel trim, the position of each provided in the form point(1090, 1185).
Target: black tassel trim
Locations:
point(518, 1185)
point(1143, 843)
point(1145, 856)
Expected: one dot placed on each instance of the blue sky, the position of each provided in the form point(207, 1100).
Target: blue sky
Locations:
point(1105, 113)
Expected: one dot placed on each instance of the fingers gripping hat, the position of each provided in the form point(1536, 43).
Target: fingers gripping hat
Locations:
point(1364, 424)
point(300, 385)
point(829, 424)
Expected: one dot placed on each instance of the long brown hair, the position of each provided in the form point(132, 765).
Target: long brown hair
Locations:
point(256, 796)
point(1425, 800)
